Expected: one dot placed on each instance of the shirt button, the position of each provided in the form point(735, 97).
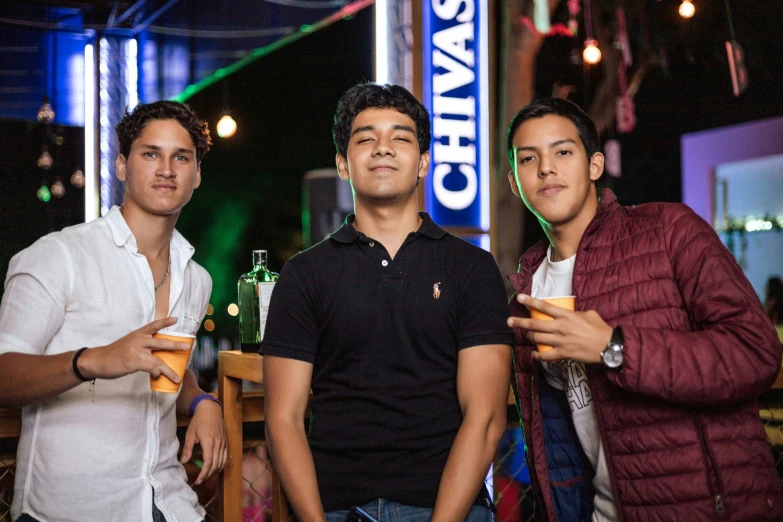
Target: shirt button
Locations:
point(372, 243)
point(385, 263)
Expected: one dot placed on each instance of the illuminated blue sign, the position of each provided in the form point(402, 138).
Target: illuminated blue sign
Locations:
point(456, 94)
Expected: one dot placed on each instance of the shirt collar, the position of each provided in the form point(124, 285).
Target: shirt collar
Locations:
point(120, 231)
point(121, 235)
point(347, 233)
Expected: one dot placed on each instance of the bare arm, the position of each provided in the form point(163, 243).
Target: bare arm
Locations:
point(33, 310)
point(206, 428)
point(483, 376)
point(20, 386)
point(26, 379)
point(287, 391)
point(187, 392)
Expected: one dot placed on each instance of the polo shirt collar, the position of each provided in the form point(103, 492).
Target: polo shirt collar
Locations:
point(347, 233)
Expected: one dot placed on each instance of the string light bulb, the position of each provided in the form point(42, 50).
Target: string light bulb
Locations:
point(591, 53)
point(45, 161)
point(77, 179)
point(226, 127)
point(687, 9)
point(58, 189)
point(45, 113)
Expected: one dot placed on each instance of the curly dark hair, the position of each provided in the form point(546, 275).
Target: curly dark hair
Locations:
point(373, 96)
point(131, 125)
point(559, 107)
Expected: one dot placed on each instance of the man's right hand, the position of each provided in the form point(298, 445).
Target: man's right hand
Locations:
point(131, 354)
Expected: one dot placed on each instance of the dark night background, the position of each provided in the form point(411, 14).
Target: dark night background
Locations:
point(250, 195)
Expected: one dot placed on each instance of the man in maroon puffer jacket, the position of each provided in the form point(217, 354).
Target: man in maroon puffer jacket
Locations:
point(645, 409)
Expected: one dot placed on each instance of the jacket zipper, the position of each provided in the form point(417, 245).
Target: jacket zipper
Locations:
point(712, 469)
point(532, 469)
point(609, 463)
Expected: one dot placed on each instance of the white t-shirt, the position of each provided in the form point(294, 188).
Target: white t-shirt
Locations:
point(95, 452)
point(554, 279)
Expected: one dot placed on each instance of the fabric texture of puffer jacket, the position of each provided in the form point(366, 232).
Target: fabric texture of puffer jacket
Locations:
point(679, 420)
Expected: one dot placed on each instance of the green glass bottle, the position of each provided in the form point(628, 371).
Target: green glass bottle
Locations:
point(255, 291)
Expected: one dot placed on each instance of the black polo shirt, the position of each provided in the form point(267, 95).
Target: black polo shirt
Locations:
point(383, 337)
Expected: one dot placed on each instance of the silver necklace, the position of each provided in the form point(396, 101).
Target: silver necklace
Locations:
point(166, 276)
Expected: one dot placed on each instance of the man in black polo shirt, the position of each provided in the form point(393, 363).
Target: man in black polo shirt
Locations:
point(400, 330)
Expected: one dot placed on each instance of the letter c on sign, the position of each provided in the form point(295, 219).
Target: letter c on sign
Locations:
point(454, 199)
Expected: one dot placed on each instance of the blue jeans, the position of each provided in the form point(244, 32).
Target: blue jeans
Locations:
point(384, 510)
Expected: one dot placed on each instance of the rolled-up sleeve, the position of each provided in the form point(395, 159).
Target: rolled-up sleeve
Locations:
point(37, 287)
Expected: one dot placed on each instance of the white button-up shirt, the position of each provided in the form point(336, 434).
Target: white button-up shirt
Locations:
point(95, 452)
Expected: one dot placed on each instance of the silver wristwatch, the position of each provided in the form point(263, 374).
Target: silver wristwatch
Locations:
point(613, 353)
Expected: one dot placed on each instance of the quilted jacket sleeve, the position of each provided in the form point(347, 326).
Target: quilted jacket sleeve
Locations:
point(733, 354)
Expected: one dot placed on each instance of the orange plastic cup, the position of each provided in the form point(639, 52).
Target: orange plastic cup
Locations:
point(177, 360)
point(566, 302)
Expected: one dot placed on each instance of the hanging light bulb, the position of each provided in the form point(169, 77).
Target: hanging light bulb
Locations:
point(687, 9)
point(45, 161)
point(58, 189)
point(591, 54)
point(45, 113)
point(226, 127)
point(77, 179)
point(44, 194)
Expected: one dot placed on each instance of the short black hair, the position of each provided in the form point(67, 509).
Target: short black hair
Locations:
point(131, 125)
point(373, 96)
point(559, 107)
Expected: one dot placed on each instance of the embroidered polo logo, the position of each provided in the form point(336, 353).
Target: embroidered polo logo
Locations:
point(436, 290)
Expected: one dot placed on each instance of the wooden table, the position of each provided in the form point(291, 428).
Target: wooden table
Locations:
point(233, 368)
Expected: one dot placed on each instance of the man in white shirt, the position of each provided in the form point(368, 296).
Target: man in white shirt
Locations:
point(77, 321)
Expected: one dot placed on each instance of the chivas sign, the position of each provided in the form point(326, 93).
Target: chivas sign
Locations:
point(455, 92)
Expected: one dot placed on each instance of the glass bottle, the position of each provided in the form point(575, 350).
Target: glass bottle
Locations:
point(255, 290)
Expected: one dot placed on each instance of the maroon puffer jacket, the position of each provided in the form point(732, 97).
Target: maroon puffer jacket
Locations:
point(679, 421)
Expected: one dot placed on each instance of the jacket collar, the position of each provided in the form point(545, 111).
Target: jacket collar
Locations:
point(347, 233)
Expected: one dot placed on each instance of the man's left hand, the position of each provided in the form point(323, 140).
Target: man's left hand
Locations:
point(206, 428)
point(575, 336)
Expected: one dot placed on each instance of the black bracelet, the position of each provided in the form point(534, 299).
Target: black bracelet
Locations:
point(75, 366)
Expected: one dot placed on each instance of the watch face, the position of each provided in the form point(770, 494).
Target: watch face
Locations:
point(613, 355)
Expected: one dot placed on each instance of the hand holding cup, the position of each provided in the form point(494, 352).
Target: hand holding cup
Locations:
point(133, 353)
point(560, 332)
point(566, 302)
point(177, 360)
